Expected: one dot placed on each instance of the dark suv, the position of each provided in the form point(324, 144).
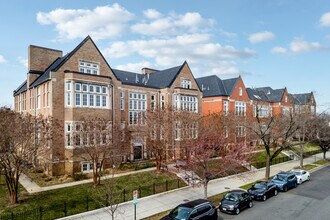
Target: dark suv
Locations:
point(196, 209)
point(285, 180)
point(235, 201)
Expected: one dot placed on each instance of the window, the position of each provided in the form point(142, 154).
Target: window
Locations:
point(262, 111)
point(186, 83)
point(240, 131)
point(153, 102)
point(177, 131)
point(137, 108)
point(286, 110)
point(48, 94)
point(240, 91)
point(185, 102)
point(84, 95)
point(240, 108)
point(162, 102)
point(38, 97)
point(225, 107)
point(225, 131)
point(286, 99)
point(89, 67)
point(122, 100)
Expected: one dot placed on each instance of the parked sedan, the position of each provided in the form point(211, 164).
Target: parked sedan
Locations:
point(235, 201)
point(263, 190)
point(284, 181)
point(193, 210)
point(302, 175)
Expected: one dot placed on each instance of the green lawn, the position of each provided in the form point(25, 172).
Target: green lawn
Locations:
point(307, 148)
point(323, 162)
point(80, 198)
point(260, 159)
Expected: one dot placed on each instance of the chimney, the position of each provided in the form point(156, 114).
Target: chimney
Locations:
point(39, 58)
point(146, 70)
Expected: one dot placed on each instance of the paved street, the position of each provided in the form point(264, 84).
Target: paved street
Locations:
point(151, 205)
point(309, 201)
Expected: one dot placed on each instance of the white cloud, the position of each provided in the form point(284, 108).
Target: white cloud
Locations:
point(197, 49)
point(136, 67)
point(23, 61)
point(300, 46)
point(228, 34)
point(2, 59)
point(325, 20)
point(172, 24)
point(101, 22)
point(261, 36)
point(279, 50)
point(152, 14)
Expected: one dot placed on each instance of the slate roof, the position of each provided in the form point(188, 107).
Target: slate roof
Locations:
point(301, 99)
point(21, 88)
point(159, 79)
point(266, 94)
point(214, 86)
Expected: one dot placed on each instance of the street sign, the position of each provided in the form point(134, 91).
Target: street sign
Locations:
point(135, 197)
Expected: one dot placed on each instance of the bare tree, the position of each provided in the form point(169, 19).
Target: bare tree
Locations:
point(22, 136)
point(319, 132)
point(158, 130)
point(274, 131)
point(100, 141)
point(212, 141)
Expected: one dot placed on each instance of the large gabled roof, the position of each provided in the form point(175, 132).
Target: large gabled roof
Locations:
point(159, 79)
point(266, 94)
point(214, 86)
point(302, 98)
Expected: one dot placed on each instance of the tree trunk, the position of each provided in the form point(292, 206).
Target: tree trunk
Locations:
point(324, 155)
point(205, 188)
point(301, 155)
point(158, 165)
point(267, 174)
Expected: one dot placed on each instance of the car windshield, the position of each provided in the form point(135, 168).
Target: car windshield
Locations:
point(296, 172)
point(231, 197)
point(280, 177)
point(180, 212)
point(259, 186)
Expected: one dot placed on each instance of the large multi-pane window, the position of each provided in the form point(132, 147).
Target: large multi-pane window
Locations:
point(89, 67)
point(153, 102)
point(240, 131)
point(240, 108)
point(38, 97)
point(185, 102)
point(87, 95)
point(162, 101)
point(137, 107)
point(261, 110)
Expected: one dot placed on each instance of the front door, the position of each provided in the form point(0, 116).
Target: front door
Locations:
point(138, 152)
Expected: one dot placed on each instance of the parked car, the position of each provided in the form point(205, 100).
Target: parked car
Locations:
point(193, 210)
point(284, 181)
point(302, 175)
point(262, 190)
point(235, 201)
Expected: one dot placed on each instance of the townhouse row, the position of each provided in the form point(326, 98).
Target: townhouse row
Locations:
point(81, 84)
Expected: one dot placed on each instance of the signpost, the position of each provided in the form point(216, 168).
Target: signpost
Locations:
point(135, 201)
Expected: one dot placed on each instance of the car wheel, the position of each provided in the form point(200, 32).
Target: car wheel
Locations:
point(308, 178)
point(250, 204)
point(237, 211)
point(295, 185)
point(275, 192)
point(285, 188)
point(300, 181)
point(264, 198)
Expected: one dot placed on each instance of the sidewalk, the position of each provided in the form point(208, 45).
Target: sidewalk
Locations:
point(154, 204)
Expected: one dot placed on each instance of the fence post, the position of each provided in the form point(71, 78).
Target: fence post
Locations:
point(40, 213)
point(87, 203)
point(124, 192)
point(166, 185)
point(65, 209)
point(178, 183)
point(154, 188)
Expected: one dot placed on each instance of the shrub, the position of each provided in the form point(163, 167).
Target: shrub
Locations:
point(79, 176)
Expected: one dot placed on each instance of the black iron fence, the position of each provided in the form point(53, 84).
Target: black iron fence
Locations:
point(76, 206)
point(260, 164)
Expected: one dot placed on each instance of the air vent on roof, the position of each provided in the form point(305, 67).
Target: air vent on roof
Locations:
point(136, 78)
point(203, 87)
point(268, 93)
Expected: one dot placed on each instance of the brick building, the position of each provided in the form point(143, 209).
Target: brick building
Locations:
point(304, 103)
point(82, 84)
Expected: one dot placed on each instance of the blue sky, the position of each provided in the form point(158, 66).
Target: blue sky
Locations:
point(273, 43)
